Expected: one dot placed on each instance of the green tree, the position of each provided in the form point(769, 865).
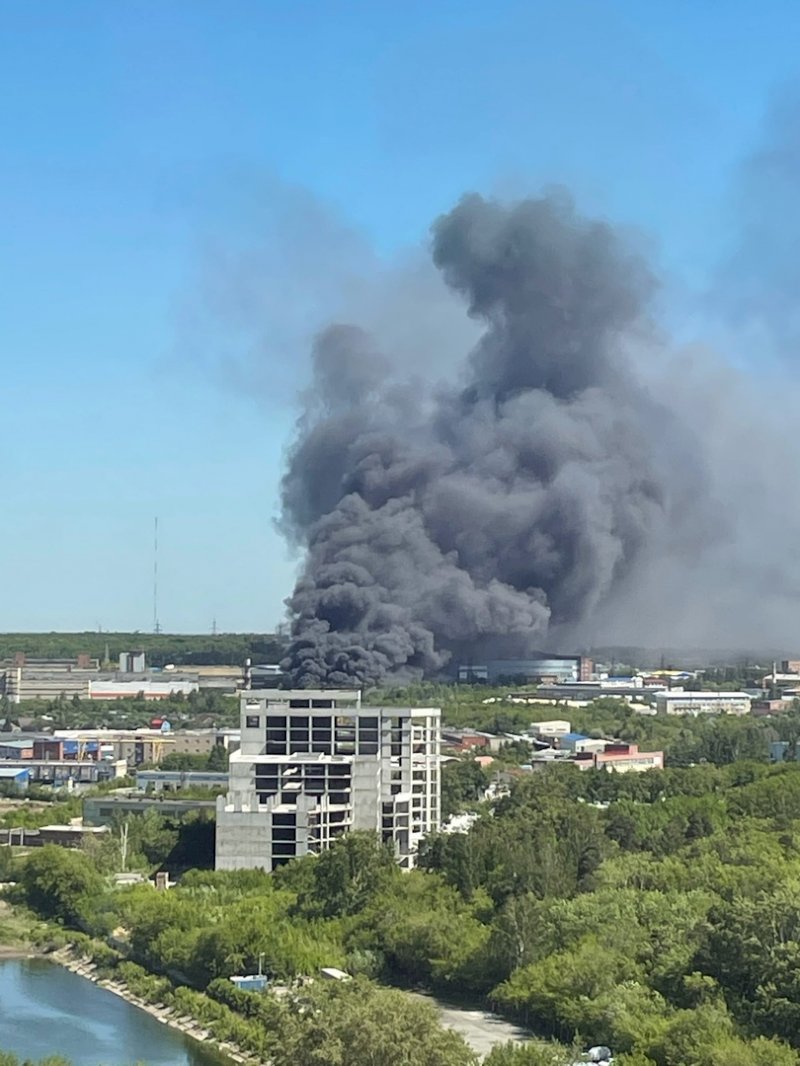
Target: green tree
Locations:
point(464, 781)
point(356, 1023)
point(218, 757)
point(59, 883)
point(347, 876)
point(534, 1053)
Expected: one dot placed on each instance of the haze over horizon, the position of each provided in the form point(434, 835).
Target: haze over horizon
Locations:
point(191, 195)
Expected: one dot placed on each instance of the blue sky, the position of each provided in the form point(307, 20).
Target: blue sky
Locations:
point(147, 149)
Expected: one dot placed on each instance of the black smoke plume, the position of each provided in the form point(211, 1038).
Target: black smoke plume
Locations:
point(480, 516)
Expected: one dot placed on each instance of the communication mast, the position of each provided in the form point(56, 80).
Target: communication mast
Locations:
point(156, 624)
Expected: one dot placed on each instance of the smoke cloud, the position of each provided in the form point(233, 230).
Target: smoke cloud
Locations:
point(515, 502)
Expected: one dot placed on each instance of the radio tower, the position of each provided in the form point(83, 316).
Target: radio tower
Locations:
point(156, 624)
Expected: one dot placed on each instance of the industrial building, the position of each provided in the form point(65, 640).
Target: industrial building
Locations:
point(103, 810)
point(675, 701)
point(148, 686)
point(316, 764)
point(203, 741)
point(551, 668)
point(66, 772)
point(621, 758)
point(174, 780)
point(135, 746)
point(600, 755)
point(14, 778)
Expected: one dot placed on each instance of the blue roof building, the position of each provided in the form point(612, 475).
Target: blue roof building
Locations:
point(14, 777)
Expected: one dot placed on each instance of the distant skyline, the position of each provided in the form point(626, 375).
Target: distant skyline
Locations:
point(189, 188)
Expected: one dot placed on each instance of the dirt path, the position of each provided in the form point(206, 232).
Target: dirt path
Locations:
point(480, 1028)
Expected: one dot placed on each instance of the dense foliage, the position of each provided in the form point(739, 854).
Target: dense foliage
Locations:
point(161, 648)
point(658, 913)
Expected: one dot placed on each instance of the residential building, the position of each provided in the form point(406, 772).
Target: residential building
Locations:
point(676, 701)
point(315, 764)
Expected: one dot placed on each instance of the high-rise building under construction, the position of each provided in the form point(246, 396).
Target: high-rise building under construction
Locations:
point(316, 764)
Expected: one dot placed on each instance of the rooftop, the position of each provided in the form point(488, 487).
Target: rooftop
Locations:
point(681, 694)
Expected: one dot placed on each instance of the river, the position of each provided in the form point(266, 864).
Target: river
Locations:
point(46, 1010)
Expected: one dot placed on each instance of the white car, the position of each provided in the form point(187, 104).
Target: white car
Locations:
point(599, 1054)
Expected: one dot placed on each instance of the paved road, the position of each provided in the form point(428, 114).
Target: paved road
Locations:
point(480, 1028)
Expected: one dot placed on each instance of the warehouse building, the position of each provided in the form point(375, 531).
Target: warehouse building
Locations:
point(676, 701)
point(550, 668)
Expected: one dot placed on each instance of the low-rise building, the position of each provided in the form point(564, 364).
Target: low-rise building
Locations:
point(622, 758)
point(71, 835)
point(763, 708)
point(467, 739)
point(175, 780)
point(17, 748)
point(68, 772)
point(557, 727)
point(149, 686)
point(536, 668)
point(14, 778)
point(203, 741)
point(135, 746)
point(102, 810)
point(676, 701)
point(604, 755)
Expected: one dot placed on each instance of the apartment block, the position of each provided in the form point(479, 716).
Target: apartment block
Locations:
point(316, 764)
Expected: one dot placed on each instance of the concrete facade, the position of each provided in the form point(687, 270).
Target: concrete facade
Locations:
point(316, 764)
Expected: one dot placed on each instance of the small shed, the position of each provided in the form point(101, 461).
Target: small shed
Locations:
point(254, 982)
point(14, 778)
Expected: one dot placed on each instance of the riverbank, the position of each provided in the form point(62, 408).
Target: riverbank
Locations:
point(71, 959)
point(19, 931)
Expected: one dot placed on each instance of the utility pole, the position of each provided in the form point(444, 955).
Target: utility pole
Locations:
point(123, 846)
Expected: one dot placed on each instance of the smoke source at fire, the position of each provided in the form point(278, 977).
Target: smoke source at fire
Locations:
point(478, 516)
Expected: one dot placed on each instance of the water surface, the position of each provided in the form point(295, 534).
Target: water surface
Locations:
point(47, 1010)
